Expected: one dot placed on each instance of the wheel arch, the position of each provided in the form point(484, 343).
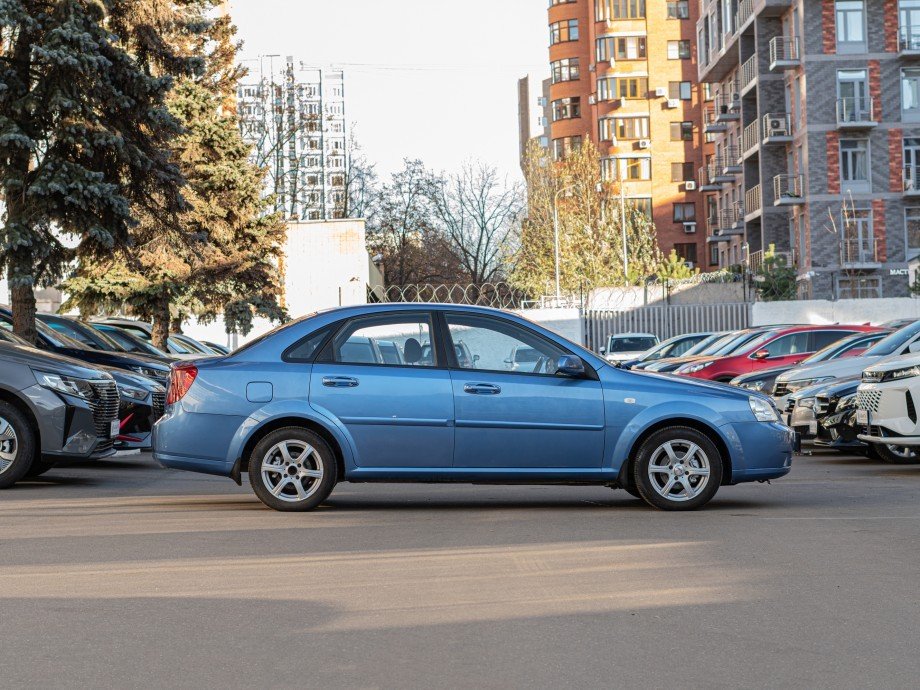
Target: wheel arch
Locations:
point(242, 463)
point(8, 396)
point(625, 473)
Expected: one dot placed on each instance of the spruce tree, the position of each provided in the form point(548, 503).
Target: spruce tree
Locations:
point(83, 139)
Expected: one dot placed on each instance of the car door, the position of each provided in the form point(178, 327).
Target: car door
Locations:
point(399, 415)
point(519, 415)
point(786, 350)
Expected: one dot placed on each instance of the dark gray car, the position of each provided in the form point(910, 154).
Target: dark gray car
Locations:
point(52, 409)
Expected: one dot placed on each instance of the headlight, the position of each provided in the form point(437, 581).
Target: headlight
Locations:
point(132, 393)
point(897, 374)
point(846, 402)
point(806, 383)
point(150, 372)
point(763, 410)
point(753, 385)
point(693, 368)
point(68, 385)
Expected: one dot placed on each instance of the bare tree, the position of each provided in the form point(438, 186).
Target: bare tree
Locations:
point(478, 212)
point(360, 183)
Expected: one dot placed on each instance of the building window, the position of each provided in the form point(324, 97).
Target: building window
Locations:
point(686, 251)
point(707, 92)
point(566, 70)
point(851, 26)
point(565, 146)
point(859, 287)
point(642, 205)
point(910, 94)
point(679, 9)
point(854, 163)
point(681, 172)
point(678, 50)
point(713, 255)
point(621, 48)
point(682, 131)
point(684, 213)
point(858, 235)
point(682, 90)
point(634, 168)
point(619, 9)
point(912, 232)
point(560, 2)
point(567, 108)
point(561, 32)
point(624, 128)
point(632, 88)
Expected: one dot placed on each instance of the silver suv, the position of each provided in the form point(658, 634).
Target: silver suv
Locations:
point(52, 409)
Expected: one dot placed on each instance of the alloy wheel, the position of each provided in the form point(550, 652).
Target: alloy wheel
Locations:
point(292, 470)
point(679, 470)
point(9, 445)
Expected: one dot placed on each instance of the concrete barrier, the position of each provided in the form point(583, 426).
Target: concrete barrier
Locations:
point(566, 322)
point(819, 312)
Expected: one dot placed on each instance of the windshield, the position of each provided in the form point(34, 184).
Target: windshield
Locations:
point(8, 336)
point(894, 342)
point(128, 342)
point(738, 340)
point(192, 345)
point(87, 337)
point(630, 343)
point(716, 340)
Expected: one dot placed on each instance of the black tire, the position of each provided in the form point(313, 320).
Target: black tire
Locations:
point(17, 443)
point(688, 480)
point(903, 456)
point(279, 489)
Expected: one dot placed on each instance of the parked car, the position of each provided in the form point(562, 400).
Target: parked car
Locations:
point(901, 342)
point(730, 343)
point(177, 344)
point(142, 402)
point(52, 409)
point(701, 346)
point(93, 338)
point(672, 347)
point(835, 410)
point(130, 342)
point(806, 409)
point(623, 347)
point(296, 412)
point(58, 343)
point(851, 346)
point(218, 349)
point(783, 346)
point(886, 409)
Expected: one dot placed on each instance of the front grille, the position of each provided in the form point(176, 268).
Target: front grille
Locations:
point(104, 405)
point(790, 406)
point(868, 400)
point(780, 389)
point(159, 405)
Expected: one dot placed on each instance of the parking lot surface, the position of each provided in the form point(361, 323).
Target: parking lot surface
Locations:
point(124, 574)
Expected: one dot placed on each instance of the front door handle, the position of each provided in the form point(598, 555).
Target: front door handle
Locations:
point(339, 381)
point(481, 389)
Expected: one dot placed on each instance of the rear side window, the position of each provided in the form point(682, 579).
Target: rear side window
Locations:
point(821, 339)
point(305, 350)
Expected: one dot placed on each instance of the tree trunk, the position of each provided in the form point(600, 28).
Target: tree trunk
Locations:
point(176, 325)
point(22, 298)
point(161, 321)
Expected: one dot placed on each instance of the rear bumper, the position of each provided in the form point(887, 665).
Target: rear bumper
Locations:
point(195, 442)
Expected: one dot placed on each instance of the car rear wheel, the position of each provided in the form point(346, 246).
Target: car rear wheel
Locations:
point(17, 445)
point(292, 470)
point(897, 455)
point(678, 468)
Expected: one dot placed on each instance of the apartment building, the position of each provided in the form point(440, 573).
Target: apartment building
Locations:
point(816, 133)
point(294, 116)
point(624, 75)
point(533, 112)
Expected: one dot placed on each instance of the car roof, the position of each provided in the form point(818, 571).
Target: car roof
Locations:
point(633, 335)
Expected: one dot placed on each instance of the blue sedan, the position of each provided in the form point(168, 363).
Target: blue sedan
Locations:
point(425, 393)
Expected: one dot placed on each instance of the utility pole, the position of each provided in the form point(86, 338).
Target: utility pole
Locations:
point(623, 230)
point(556, 237)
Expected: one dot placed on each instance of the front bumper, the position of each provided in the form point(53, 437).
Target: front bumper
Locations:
point(887, 413)
point(764, 450)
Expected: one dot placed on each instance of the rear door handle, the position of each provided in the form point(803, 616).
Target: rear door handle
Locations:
point(339, 381)
point(481, 389)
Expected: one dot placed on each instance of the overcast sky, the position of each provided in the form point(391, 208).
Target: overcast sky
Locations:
point(427, 79)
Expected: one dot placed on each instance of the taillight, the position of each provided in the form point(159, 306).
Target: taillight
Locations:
point(181, 378)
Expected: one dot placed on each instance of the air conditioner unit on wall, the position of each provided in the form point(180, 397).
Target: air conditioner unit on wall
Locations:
point(592, 99)
point(690, 227)
point(661, 92)
point(690, 186)
point(673, 103)
point(689, 264)
point(776, 127)
point(644, 143)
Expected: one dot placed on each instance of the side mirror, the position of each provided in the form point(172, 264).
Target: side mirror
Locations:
point(914, 346)
point(761, 354)
point(570, 365)
point(603, 350)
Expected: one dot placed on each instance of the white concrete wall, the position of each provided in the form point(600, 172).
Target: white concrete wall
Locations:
point(566, 322)
point(874, 311)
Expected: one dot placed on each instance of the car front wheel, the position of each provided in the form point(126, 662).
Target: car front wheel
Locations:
point(678, 468)
point(17, 445)
point(292, 470)
point(897, 455)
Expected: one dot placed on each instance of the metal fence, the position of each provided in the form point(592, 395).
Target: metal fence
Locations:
point(498, 295)
point(664, 320)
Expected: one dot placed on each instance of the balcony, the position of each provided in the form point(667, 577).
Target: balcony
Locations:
point(752, 203)
point(728, 107)
point(912, 180)
point(859, 252)
point(707, 181)
point(745, 12)
point(784, 53)
point(756, 259)
point(748, 73)
point(777, 128)
point(750, 139)
point(731, 221)
point(730, 160)
point(909, 41)
point(855, 113)
point(788, 190)
point(719, 165)
point(711, 124)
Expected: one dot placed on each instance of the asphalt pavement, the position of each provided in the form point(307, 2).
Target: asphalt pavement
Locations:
point(123, 574)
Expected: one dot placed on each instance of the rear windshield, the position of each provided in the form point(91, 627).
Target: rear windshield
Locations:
point(894, 342)
point(637, 344)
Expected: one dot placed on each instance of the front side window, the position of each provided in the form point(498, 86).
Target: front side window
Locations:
point(567, 108)
point(497, 345)
point(851, 26)
point(792, 344)
point(568, 69)
point(390, 340)
point(564, 31)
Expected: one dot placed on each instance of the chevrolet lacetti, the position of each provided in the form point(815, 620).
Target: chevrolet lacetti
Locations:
point(425, 393)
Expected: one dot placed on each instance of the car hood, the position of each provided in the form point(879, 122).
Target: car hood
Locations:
point(119, 360)
point(759, 374)
point(49, 361)
point(838, 368)
point(688, 383)
point(623, 356)
point(130, 378)
point(891, 363)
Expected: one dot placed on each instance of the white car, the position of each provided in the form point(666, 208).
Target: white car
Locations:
point(623, 347)
point(886, 409)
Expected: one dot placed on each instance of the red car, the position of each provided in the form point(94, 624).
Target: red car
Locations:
point(785, 346)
